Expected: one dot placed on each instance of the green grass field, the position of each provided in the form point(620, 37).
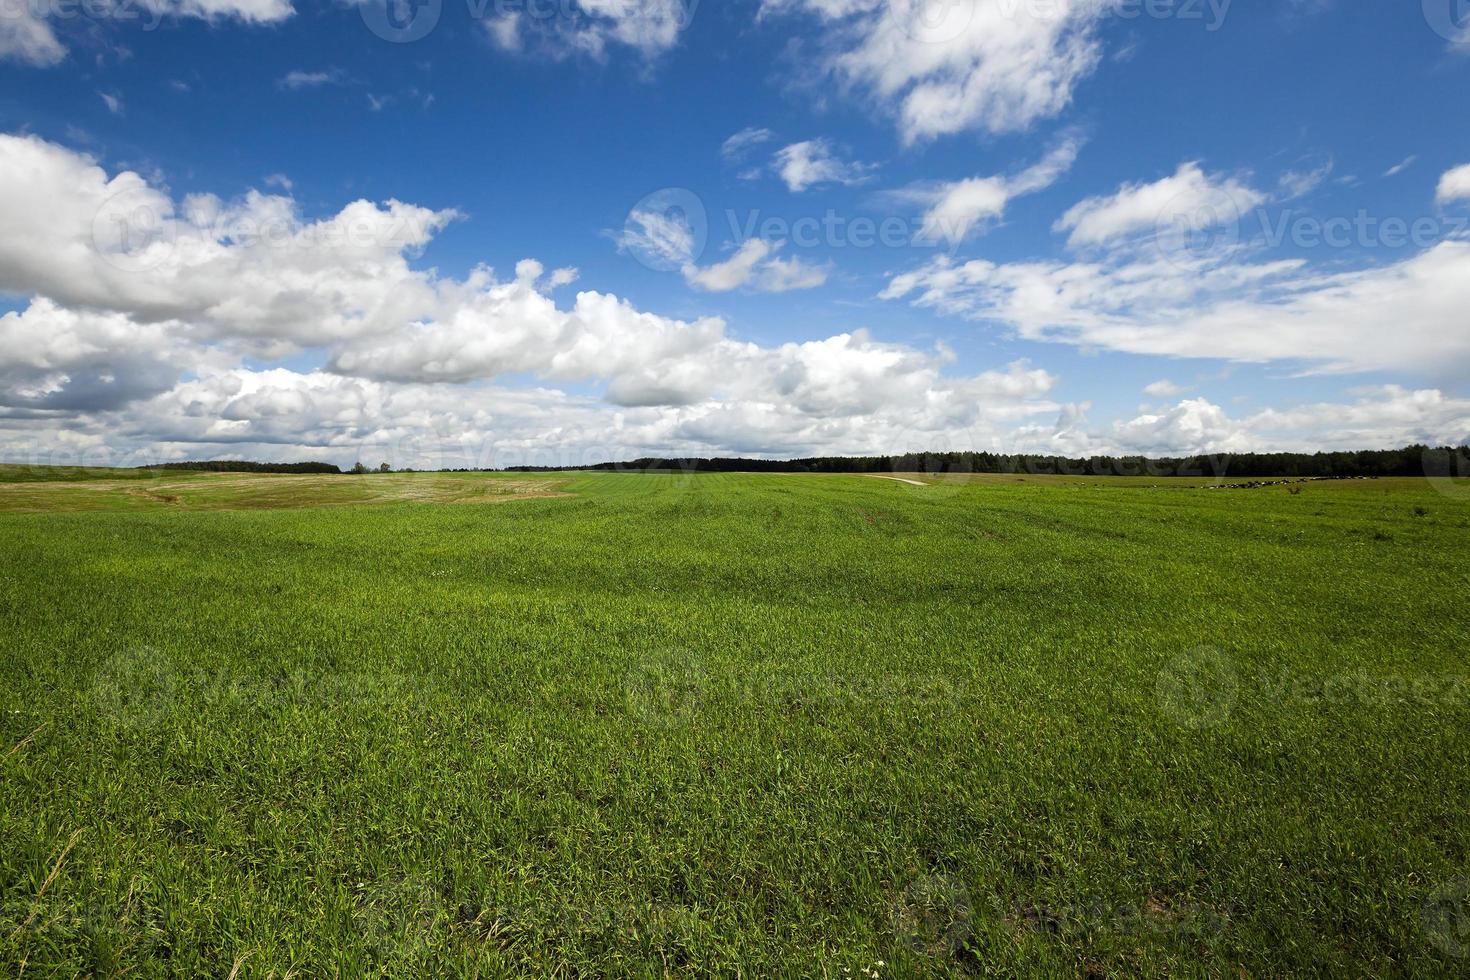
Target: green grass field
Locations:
point(827, 726)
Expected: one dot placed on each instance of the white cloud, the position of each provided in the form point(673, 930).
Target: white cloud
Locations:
point(660, 240)
point(1222, 306)
point(505, 32)
point(812, 163)
point(736, 146)
point(847, 394)
point(1300, 183)
point(666, 241)
point(54, 359)
point(26, 37)
point(297, 80)
point(248, 11)
point(113, 101)
point(1163, 389)
point(735, 271)
point(1383, 417)
point(251, 270)
point(788, 275)
point(992, 65)
point(959, 209)
point(135, 337)
point(1193, 426)
point(1226, 300)
point(1401, 166)
point(1454, 185)
point(134, 343)
point(1191, 196)
point(756, 264)
point(589, 27)
point(287, 415)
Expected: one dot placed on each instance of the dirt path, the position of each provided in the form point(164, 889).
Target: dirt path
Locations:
point(899, 479)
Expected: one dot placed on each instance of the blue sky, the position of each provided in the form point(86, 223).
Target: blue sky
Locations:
point(1111, 226)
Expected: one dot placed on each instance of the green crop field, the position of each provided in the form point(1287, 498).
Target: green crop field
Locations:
point(664, 725)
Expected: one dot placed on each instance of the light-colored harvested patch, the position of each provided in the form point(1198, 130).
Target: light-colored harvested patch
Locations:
point(504, 491)
point(235, 491)
point(898, 479)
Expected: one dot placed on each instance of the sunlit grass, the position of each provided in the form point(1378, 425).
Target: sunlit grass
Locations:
point(753, 725)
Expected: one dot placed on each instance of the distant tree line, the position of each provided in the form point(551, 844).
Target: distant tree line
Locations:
point(1410, 461)
point(245, 466)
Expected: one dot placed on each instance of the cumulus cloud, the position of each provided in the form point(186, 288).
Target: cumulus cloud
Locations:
point(812, 163)
point(54, 359)
point(143, 309)
point(846, 394)
point(1386, 416)
point(252, 269)
point(1454, 185)
point(283, 414)
point(989, 65)
point(1382, 417)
